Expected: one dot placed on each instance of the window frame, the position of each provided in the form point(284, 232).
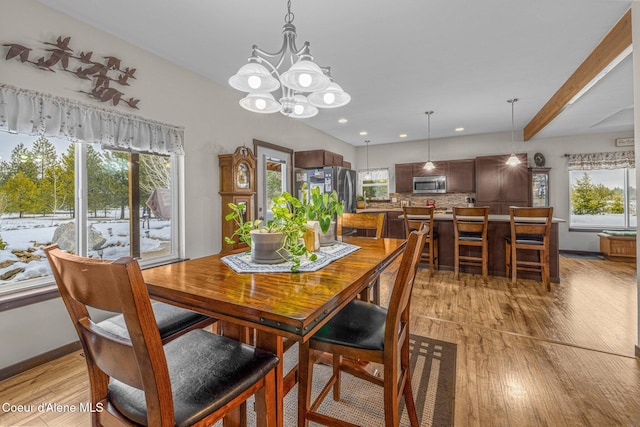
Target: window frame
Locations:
point(361, 186)
point(19, 294)
point(626, 196)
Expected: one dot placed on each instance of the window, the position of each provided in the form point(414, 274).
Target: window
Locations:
point(602, 193)
point(38, 196)
point(374, 184)
point(102, 200)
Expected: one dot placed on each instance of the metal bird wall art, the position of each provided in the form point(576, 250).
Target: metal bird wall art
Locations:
point(102, 73)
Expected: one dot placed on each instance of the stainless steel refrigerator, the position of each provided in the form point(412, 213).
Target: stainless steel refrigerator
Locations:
point(329, 178)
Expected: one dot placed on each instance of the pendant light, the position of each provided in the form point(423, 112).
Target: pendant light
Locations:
point(367, 174)
point(513, 159)
point(429, 165)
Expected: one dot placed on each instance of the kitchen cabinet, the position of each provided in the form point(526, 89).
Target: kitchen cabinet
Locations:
point(404, 177)
point(317, 159)
point(499, 185)
point(441, 168)
point(461, 176)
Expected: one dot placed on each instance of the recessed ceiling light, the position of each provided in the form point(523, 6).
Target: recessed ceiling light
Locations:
point(403, 135)
point(342, 120)
point(363, 133)
point(459, 129)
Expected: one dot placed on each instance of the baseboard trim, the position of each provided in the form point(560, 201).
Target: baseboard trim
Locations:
point(25, 365)
point(574, 252)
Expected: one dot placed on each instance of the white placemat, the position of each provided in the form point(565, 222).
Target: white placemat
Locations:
point(241, 263)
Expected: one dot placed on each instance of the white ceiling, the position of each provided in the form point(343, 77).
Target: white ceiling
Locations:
point(461, 58)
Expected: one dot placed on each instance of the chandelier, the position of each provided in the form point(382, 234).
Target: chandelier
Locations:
point(302, 85)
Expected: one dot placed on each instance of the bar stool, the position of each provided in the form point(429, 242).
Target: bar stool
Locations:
point(530, 230)
point(470, 229)
point(414, 218)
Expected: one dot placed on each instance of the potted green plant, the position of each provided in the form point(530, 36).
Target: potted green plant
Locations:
point(323, 207)
point(279, 239)
point(360, 202)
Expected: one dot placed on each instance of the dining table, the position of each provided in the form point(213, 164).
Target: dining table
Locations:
point(280, 307)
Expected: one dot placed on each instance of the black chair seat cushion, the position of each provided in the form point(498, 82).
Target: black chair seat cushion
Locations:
point(527, 239)
point(470, 236)
point(359, 324)
point(207, 371)
point(170, 319)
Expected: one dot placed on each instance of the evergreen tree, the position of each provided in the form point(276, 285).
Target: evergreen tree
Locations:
point(21, 194)
point(65, 182)
point(22, 161)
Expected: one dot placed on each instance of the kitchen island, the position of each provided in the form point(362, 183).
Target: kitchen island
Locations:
point(499, 228)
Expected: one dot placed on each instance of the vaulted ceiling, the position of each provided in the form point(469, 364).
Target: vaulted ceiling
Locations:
point(462, 59)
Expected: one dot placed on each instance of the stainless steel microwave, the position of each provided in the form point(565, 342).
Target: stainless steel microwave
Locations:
point(429, 184)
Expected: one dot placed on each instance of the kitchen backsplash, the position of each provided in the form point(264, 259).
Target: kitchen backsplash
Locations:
point(442, 201)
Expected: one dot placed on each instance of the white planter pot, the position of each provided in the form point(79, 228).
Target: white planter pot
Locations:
point(265, 247)
point(328, 238)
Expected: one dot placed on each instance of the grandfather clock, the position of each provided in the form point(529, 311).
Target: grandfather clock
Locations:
point(238, 186)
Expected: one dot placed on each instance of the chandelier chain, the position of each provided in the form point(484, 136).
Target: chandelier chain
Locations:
point(288, 18)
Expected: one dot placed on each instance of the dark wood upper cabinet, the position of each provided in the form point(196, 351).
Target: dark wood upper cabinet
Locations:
point(441, 168)
point(499, 185)
point(461, 176)
point(404, 177)
point(317, 159)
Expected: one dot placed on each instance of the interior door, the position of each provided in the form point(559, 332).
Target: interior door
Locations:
point(274, 172)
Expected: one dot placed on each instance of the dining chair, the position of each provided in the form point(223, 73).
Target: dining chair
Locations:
point(530, 231)
point(470, 225)
point(367, 224)
point(367, 332)
point(197, 378)
point(172, 321)
point(414, 218)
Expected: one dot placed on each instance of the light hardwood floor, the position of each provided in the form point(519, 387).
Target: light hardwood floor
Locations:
point(526, 357)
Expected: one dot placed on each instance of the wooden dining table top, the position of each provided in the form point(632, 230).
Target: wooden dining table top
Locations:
point(292, 305)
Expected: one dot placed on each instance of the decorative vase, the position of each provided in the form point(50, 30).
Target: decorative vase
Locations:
point(328, 238)
point(360, 204)
point(266, 248)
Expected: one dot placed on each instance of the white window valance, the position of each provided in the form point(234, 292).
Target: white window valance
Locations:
point(610, 160)
point(33, 113)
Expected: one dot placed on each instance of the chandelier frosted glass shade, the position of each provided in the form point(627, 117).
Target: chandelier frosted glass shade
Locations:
point(254, 77)
point(331, 97)
point(263, 103)
point(305, 76)
point(298, 107)
point(429, 166)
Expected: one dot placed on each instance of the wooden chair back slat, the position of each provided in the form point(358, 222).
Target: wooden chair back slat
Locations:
point(471, 222)
point(398, 310)
point(415, 218)
point(119, 287)
point(361, 221)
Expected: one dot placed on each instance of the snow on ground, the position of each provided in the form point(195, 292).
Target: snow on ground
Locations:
point(36, 232)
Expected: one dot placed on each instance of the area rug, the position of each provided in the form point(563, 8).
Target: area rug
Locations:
point(433, 365)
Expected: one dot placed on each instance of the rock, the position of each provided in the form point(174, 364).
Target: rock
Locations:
point(26, 256)
point(11, 273)
point(7, 263)
point(65, 237)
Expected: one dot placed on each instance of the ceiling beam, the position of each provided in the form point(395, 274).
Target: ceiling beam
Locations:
point(613, 44)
